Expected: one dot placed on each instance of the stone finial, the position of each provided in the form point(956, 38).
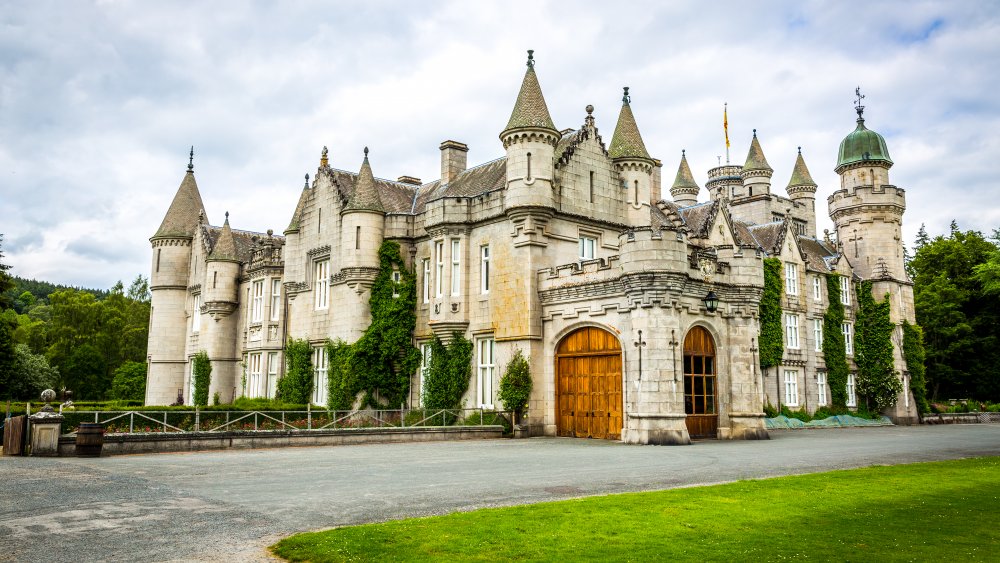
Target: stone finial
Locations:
point(366, 152)
point(270, 233)
point(324, 159)
point(191, 160)
point(531, 58)
point(201, 217)
point(227, 216)
point(625, 97)
point(589, 120)
point(306, 186)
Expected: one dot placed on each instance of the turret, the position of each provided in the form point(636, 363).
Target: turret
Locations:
point(633, 164)
point(220, 295)
point(222, 272)
point(362, 222)
point(169, 299)
point(685, 189)
point(802, 190)
point(530, 139)
point(756, 172)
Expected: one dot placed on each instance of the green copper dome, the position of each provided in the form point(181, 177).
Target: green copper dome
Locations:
point(861, 145)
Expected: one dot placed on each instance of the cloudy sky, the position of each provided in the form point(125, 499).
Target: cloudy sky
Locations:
point(100, 101)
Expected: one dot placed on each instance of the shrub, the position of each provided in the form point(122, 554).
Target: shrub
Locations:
point(915, 355)
point(449, 373)
point(800, 414)
point(202, 377)
point(297, 384)
point(769, 410)
point(487, 418)
point(515, 385)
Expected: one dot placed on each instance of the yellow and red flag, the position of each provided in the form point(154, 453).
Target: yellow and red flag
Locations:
point(725, 121)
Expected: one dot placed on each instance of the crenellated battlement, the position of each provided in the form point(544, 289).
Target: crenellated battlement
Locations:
point(861, 200)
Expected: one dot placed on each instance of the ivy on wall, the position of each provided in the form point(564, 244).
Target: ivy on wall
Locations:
point(914, 354)
point(381, 362)
point(297, 384)
point(202, 378)
point(448, 375)
point(878, 380)
point(834, 349)
point(772, 343)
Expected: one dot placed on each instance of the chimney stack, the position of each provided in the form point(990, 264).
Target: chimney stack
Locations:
point(454, 159)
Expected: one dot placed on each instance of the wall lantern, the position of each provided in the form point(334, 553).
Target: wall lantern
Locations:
point(711, 302)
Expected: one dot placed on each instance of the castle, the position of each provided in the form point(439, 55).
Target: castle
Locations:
point(638, 313)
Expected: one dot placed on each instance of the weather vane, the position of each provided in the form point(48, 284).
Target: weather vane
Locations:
point(857, 103)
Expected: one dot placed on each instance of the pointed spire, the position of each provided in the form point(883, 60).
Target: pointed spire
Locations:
point(365, 196)
point(626, 142)
point(755, 158)
point(800, 173)
point(293, 225)
point(181, 219)
point(684, 178)
point(530, 109)
point(225, 245)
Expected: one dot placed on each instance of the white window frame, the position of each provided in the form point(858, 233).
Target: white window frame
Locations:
point(818, 334)
point(484, 269)
point(425, 368)
point(255, 381)
point(257, 301)
point(275, 299)
point(456, 267)
point(792, 387)
point(848, 330)
point(486, 363)
point(852, 391)
point(817, 288)
point(845, 290)
point(397, 278)
point(320, 367)
point(321, 284)
point(272, 375)
point(588, 248)
point(791, 279)
point(196, 314)
point(792, 331)
point(821, 388)
point(439, 268)
point(427, 280)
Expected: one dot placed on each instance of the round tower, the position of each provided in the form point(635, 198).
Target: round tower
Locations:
point(802, 190)
point(685, 189)
point(633, 164)
point(220, 295)
point(756, 172)
point(362, 222)
point(168, 284)
point(530, 139)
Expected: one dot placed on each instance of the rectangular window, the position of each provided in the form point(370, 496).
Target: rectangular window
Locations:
point(821, 388)
point(397, 278)
point(196, 314)
point(427, 280)
point(319, 375)
point(254, 381)
point(591, 198)
point(357, 238)
point(456, 265)
point(275, 299)
point(791, 388)
point(588, 248)
point(845, 290)
point(425, 367)
point(257, 301)
point(791, 279)
point(484, 268)
point(485, 379)
point(792, 331)
point(848, 338)
point(321, 284)
point(852, 394)
point(818, 334)
point(438, 268)
point(817, 288)
point(272, 375)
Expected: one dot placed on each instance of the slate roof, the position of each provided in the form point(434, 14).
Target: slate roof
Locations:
point(395, 197)
point(800, 174)
point(769, 236)
point(819, 257)
point(181, 219)
point(530, 109)
point(684, 178)
point(699, 217)
point(471, 182)
point(365, 195)
point(755, 158)
point(626, 142)
point(242, 242)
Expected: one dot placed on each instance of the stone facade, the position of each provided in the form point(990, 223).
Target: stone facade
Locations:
point(560, 234)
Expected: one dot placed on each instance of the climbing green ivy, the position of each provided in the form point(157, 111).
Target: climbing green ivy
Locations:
point(448, 375)
point(878, 380)
point(834, 349)
point(772, 343)
point(381, 362)
point(913, 353)
point(296, 386)
point(202, 378)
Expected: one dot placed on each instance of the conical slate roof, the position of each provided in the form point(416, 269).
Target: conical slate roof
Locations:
point(530, 109)
point(181, 219)
point(755, 158)
point(293, 225)
point(684, 178)
point(225, 247)
point(626, 141)
point(365, 196)
point(800, 174)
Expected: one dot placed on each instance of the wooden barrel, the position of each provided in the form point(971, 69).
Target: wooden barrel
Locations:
point(89, 440)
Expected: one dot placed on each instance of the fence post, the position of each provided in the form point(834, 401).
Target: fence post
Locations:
point(197, 419)
point(164, 422)
point(255, 420)
point(131, 422)
point(309, 416)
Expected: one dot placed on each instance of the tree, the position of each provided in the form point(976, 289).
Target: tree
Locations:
point(297, 384)
point(202, 378)
point(8, 323)
point(129, 383)
point(33, 374)
point(515, 385)
point(6, 283)
point(86, 373)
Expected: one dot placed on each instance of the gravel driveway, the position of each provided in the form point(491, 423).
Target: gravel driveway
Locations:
point(230, 505)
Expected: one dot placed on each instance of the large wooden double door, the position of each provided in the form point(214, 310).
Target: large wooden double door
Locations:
point(700, 389)
point(589, 385)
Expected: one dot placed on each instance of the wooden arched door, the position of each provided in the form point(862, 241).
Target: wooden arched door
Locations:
point(700, 389)
point(589, 385)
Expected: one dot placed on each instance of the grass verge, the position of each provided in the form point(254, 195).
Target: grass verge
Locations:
point(920, 512)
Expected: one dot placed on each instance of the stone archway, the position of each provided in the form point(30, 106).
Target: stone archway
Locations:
point(589, 385)
point(700, 384)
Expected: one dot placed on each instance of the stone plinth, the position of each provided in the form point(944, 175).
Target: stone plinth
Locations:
point(45, 431)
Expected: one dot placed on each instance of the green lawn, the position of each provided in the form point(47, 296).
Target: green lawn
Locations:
point(937, 511)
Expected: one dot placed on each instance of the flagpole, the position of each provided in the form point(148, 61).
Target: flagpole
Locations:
point(725, 125)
